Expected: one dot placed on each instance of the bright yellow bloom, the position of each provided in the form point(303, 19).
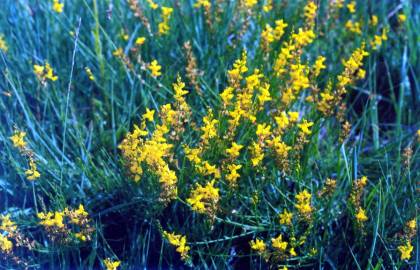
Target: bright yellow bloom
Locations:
point(257, 154)
point(354, 27)
point(140, 41)
point(6, 245)
point(155, 68)
point(152, 4)
point(250, 3)
point(286, 217)
point(352, 6)
point(7, 224)
point(111, 264)
point(258, 245)
point(32, 173)
point(51, 219)
point(233, 152)
point(319, 65)
point(204, 198)
point(292, 252)
point(361, 215)
point(57, 6)
point(178, 241)
point(148, 115)
point(412, 224)
point(304, 203)
point(164, 25)
point(402, 18)
point(119, 52)
point(293, 116)
point(209, 127)
point(268, 6)
point(233, 175)
point(263, 130)
point(278, 243)
point(202, 3)
point(304, 127)
point(44, 72)
point(18, 139)
point(310, 11)
point(405, 251)
point(304, 37)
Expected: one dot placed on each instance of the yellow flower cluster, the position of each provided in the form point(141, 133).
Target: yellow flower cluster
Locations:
point(258, 245)
point(18, 140)
point(355, 199)
point(303, 204)
point(57, 6)
point(155, 69)
point(204, 199)
point(164, 25)
point(44, 73)
point(57, 224)
point(153, 151)
point(270, 34)
point(410, 232)
point(111, 264)
point(180, 242)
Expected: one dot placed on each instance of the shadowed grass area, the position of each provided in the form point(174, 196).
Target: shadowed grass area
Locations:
point(78, 124)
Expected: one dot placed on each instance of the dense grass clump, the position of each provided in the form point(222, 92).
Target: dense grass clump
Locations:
point(242, 134)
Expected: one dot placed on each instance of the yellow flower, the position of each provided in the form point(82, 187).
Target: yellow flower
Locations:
point(268, 6)
point(155, 68)
point(304, 127)
point(7, 224)
point(292, 252)
point(250, 3)
point(204, 198)
point(286, 217)
point(304, 203)
point(310, 11)
point(278, 243)
point(263, 130)
point(233, 152)
point(257, 245)
point(111, 264)
point(233, 174)
point(361, 215)
point(18, 139)
point(140, 41)
point(44, 72)
point(257, 154)
point(402, 18)
point(202, 3)
point(32, 173)
point(6, 245)
point(405, 251)
point(164, 25)
point(57, 6)
point(319, 65)
point(152, 4)
point(148, 115)
point(352, 6)
point(178, 241)
point(412, 224)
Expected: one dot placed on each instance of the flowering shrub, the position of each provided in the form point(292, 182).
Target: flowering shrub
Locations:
point(211, 134)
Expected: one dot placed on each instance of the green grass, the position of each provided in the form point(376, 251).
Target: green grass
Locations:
point(74, 127)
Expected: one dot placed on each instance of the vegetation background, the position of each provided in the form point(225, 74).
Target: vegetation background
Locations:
point(74, 126)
